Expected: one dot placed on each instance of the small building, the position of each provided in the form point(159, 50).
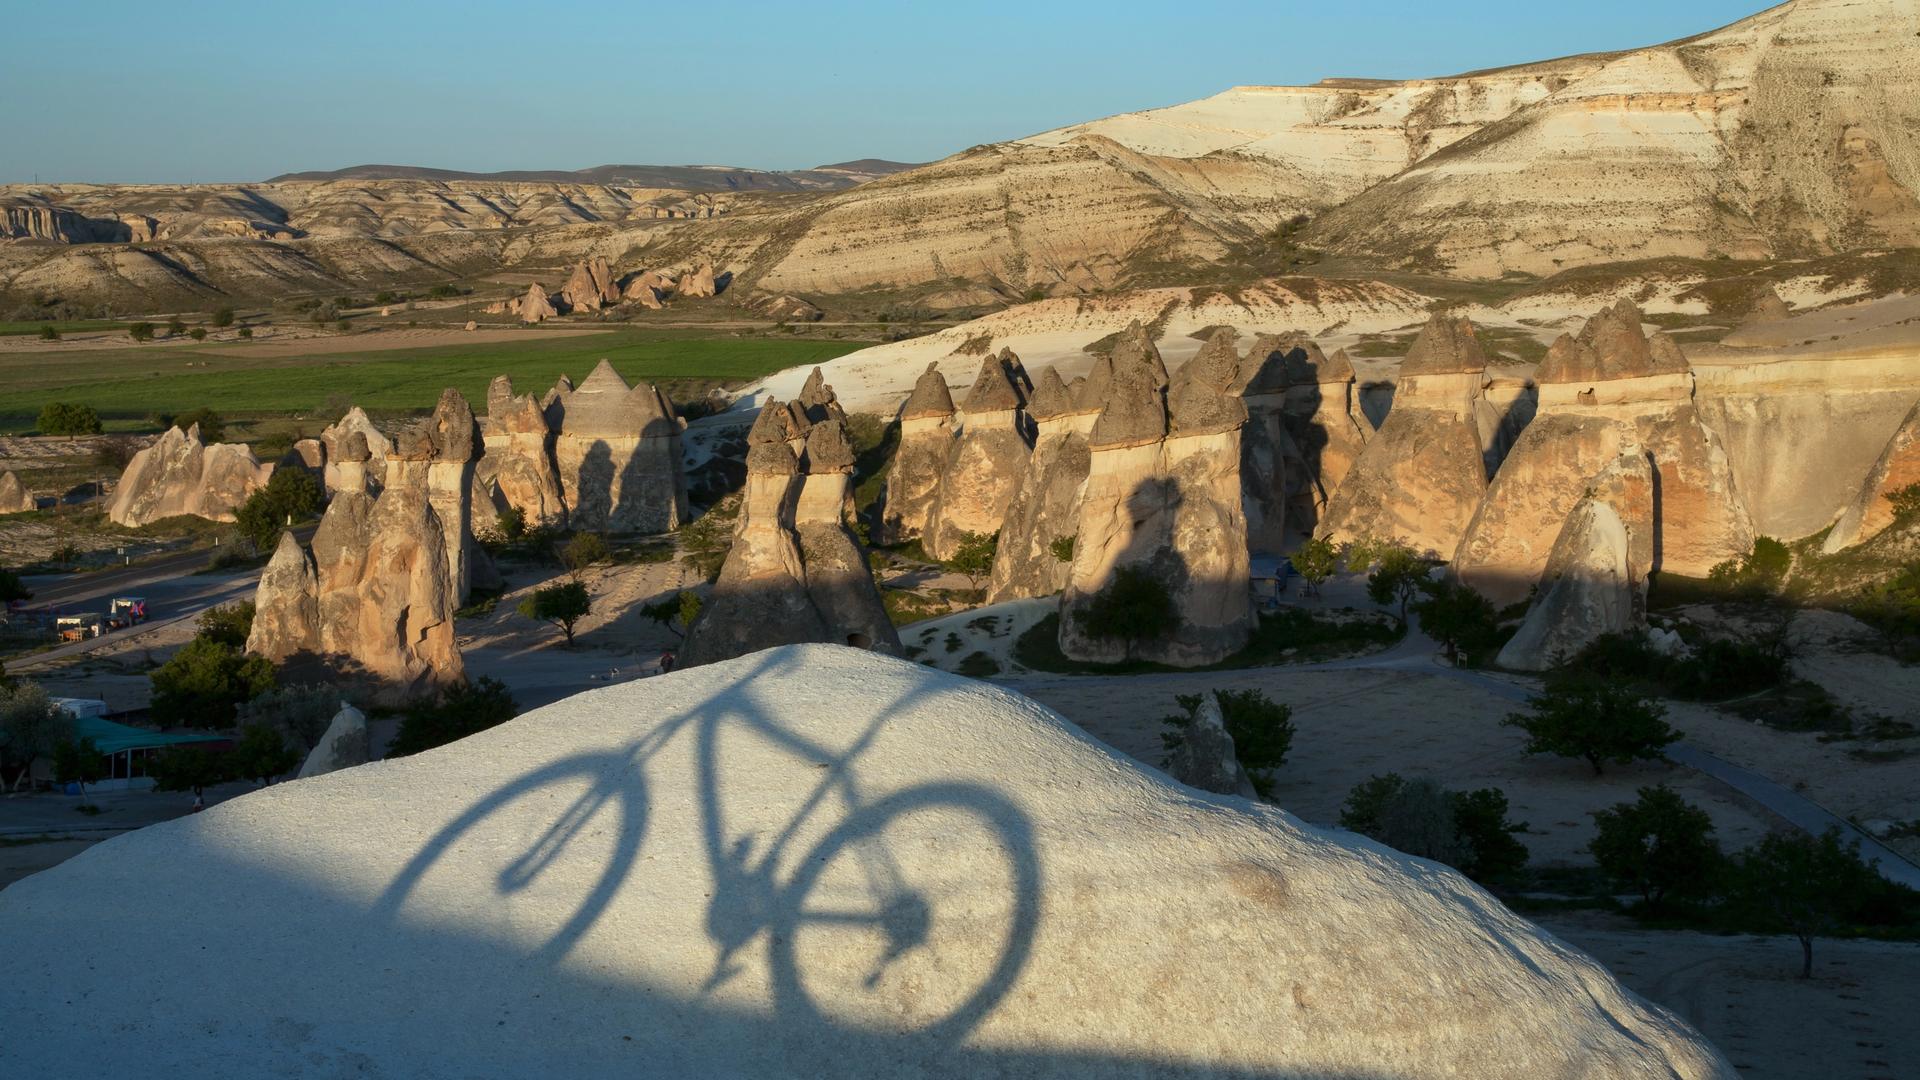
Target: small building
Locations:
point(1268, 574)
point(129, 750)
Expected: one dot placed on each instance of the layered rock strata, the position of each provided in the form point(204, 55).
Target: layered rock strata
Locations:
point(1163, 495)
point(180, 475)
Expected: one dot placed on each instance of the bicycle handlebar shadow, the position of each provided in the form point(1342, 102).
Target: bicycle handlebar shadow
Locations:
point(761, 884)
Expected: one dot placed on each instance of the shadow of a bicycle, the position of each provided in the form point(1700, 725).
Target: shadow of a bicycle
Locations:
point(908, 905)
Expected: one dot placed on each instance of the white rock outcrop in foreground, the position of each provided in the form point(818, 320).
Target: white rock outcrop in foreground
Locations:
point(644, 881)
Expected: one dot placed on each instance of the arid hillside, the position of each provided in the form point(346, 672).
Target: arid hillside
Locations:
point(1794, 133)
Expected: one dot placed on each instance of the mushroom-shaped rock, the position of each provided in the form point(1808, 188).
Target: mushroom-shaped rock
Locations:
point(984, 466)
point(926, 440)
point(1045, 509)
point(1134, 412)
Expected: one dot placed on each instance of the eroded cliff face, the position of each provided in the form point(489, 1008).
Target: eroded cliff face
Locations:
point(1610, 387)
point(1872, 511)
point(180, 475)
point(1163, 495)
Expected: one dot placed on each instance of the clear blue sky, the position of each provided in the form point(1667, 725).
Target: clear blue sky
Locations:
point(176, 90)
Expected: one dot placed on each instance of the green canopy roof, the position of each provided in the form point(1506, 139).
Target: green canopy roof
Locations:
point(111, 738)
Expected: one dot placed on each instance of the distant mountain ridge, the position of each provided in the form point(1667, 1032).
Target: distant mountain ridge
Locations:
point(835, 177)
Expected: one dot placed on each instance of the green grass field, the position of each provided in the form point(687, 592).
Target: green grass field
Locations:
point(128, 384)
point(7, 328)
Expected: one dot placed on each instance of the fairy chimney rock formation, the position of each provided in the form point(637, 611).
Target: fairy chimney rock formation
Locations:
point(1421, 476)
point(286, 605)
point(1595, 581)
point(646, 289)
point(984, 465)
point(817, 400)
point(926, 438)
point(1163, 495)
point(517, 471)
point(1609, 387)
point(1035, 552)
point(535, 306)
point(590, 287)
point(179, 475)
point(1871, 511)
point(455, 439)
point(374, 446)
point(795, 572)
point(14, 496)
point(348, 471)
point(618, 455)
point(699, 283)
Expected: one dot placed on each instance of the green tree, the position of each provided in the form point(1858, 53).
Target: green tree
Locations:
point(1062, 548)
point(511, 523)
point(31, 727)
point(301, 712)
point(205, 683)
point(1262, 731)
point(212, 426)
point(464, 709)
point(48, 332)
point(228, 624)
point(584, 550)
point(1905, 503)
point(563, 605)
point(175, 327)
point(1599, 722)
point(190, 767)
point(198, 333)
point(290, 494)
point(1659, 846)
point(68, 418)
point(246, 332)
point(223, 317)
point(1456, 616)
point(973, 559)
point(12, 588)
point(141, 331)
point(1760, 572)
point(1468, 830)
point(1805, 885)
point(1397, 577)
point(1134, 607)
point(676, 612)
point(262, 754)
point(78, 761)
point(1315, 562)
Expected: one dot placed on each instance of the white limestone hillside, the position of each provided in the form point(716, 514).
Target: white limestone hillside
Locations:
point(1055, 333)
point(807, 862)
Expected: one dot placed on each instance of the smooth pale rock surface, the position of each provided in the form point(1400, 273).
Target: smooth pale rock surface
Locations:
point(535, 306)
point(1870, 512)
point(590, 287)
point(14, 496)
point(1595, 581)
point(180, 475)
point(1423, 474)
point(369, 454)
point(643, 881)
point(344, 745)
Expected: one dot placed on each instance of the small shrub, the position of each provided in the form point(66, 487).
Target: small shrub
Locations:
point(1062, 549)
point(262, 753)
point(175, 328)
point(464, 709)
point(223, 317)
point(583, 550)
point(1456, 616)
point(67, 418)
point(246, 333)
point(973, 559)
point(1598, 722)
point(563, 605)
point(290, 495)
point(141, 331)
point(1659, 846)
point(49, 333)
point(1467, 830)
point(1760, 572)
point(1905, 503)
point(511, 522)
point(198, 333)
point(213, 427)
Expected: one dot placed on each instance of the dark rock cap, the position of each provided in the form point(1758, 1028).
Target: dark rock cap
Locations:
point(1016, 372)
point(992, 391)
point(828, 450)
point(1049, 398)
point(452, 429)
point(772, 459)
point(1202, 400)
point(1134, 411)
point(1446, 346)
point(930, 396)
point(773, 425)
point(1090, 390)
point(355, 447)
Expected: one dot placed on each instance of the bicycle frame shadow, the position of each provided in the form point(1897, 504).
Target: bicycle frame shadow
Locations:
point(747, 900)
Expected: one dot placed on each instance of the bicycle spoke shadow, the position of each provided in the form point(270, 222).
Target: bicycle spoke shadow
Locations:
point(763, 883)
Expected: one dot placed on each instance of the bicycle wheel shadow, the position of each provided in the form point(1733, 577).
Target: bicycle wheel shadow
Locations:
point(834, 885)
